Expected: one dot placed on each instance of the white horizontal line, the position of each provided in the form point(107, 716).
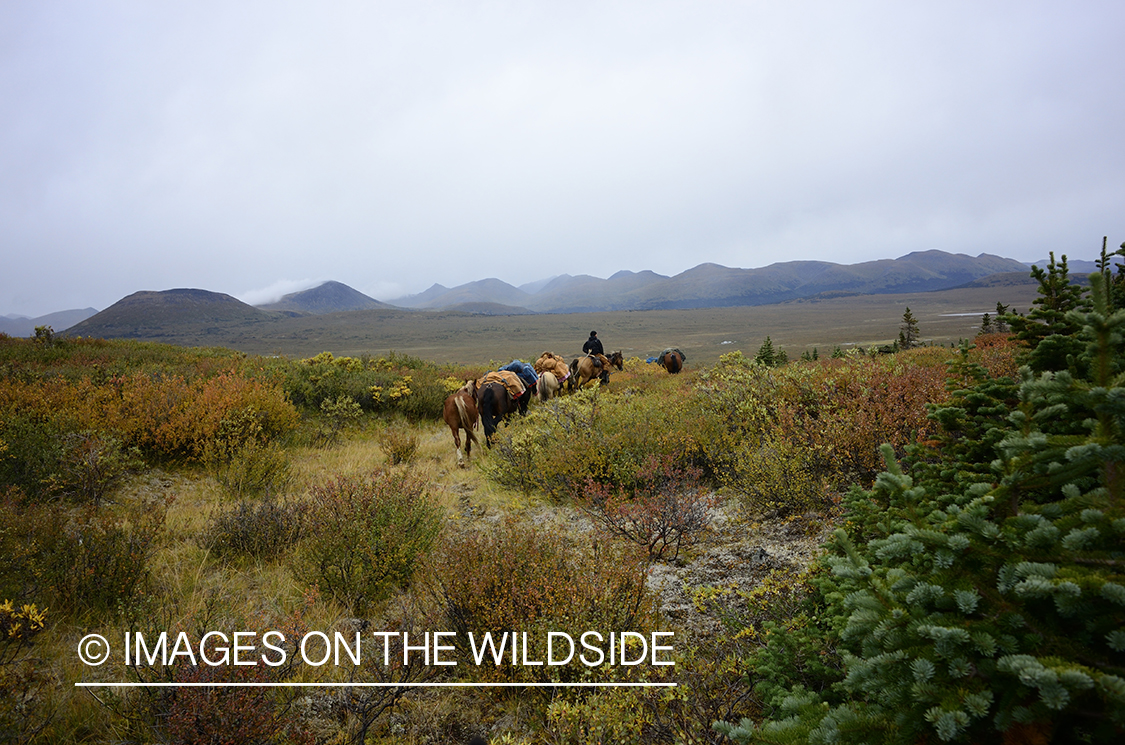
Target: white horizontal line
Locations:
point(375, 685)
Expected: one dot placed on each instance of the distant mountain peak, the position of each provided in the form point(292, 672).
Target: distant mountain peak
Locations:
point(327, 297)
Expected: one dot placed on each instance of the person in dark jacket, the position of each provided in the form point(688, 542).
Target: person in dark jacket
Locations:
point(593, 345)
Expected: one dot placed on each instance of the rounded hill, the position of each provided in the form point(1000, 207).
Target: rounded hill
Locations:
point(150, 314)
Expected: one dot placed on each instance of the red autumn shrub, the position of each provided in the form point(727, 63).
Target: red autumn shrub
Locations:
point(666, 511)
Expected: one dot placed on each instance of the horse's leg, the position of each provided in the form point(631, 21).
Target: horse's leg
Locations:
point(455, 428)
point(488, 416)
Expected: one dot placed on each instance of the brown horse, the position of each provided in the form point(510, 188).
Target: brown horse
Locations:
point(460, 412)
point(585, 369)
point(672, 360)
point(495, 403)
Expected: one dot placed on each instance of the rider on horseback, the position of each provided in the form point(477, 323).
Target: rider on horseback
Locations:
point(593, 345)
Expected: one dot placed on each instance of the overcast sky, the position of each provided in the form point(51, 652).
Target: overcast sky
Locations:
point(253, 148)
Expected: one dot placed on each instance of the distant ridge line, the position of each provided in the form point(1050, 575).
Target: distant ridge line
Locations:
point(710, 285)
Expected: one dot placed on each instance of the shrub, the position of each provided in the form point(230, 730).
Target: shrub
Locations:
point(396, 383)
point(24, 680)
point(90, 562)
point(336, 414)
point(93, 464)
point(667, 510)
point(252, 469)
point(526, 579)
point(616, 716)
point(206, 715)
point(779, 475)
point(261, 530)
point(163, 415)
point(31, 454)
point(368, 535)
point(601, 436)
point(28, 532)
point(100, 561)
point(399, 444)
point(172, 416)
point(186, 710)
point(44, 335)
point(794, 434)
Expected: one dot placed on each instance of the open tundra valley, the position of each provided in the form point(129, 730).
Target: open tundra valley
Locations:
point(354, 528)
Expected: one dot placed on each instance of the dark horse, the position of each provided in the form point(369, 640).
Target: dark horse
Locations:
point(495, 404)
point(672, 360)
point(585, 369)
point(460, 412)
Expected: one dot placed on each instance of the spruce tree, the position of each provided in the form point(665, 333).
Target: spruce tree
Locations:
point(999, 325)
point(1048, 329)
point(908, 334)
point(1115, 283)
point(766, 355)
point(980, 595)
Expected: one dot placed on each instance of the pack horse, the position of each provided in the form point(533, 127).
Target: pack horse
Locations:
point(460, 412)
point(585, 369)
point(672, 360)
point(500, 394)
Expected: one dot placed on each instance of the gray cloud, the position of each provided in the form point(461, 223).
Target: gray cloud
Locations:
point(392, 145)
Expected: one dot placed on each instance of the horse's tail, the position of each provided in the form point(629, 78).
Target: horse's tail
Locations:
point(572, 378)
point(467, 422)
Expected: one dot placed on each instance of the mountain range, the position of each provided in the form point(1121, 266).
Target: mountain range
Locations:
point(715, 286)
point(150, 314)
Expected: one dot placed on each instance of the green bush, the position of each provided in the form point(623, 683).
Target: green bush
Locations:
point(93, 464)
point(780, 475)
point(252, 469)
point(31, 455)
point(367, 536)
point(606, 437)
point(336, 413)
point(88, 563)
point(244, 459)
point(396, 384)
